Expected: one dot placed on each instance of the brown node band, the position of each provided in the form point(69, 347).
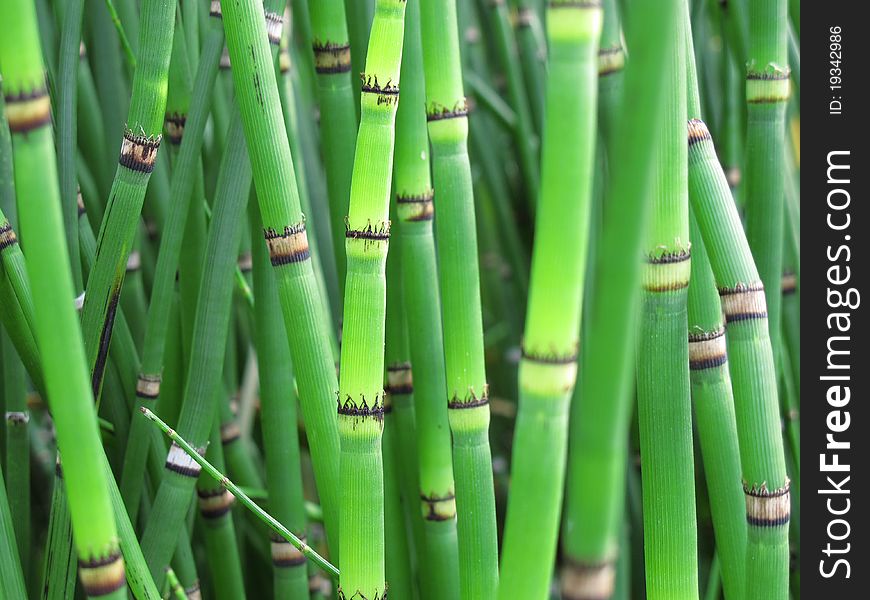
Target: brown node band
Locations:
point(610, 60)
point(178, 461)
point(285, 554)
point(83, 51)
point(525, 17)
point(434, 507)
point(743, 302)
point(139, 153)
point(274, 27)
point(587, 580)
point(437, 112)
point(472, 400)
point(789, 283)
point(194, 592)
point(351, 408)
point(707, 350)
point(214, 9)
point(148, 386)
point(358, 595)
point(80, 202)
point(214, 503)
point(7, 236)
point(416, 207)
point(28, 110)
point(17, 417)
point(284, 60)
point(225, 59)
point(698, 131)
point(400, 379)
point(331, 58)
point(102, 576)
point(659, 278)
point(373, 233)
point(768, 508)
point(549, 358)
point(173, 124)
point(230, 432)
point(288, 247)
point(246, 262)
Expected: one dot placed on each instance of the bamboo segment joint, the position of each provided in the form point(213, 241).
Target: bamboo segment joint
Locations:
point(139, 152)
point(667, 272)
point(177, 460)
point(284, 60)
point(7, 236)
point(285, 554)
point(768, 508)
point(387, 94)
point(28, 111)
point(789, 283)
point(360, 596)
point(525, 17)
point(215, 503)
point(215, 9)
point(471, 400)
point(230, 432)
point(400, 379)
point(274, 27)
point(438, 508)
point(707, 350)
point(743, 302)
point(134, 261)
point(148, 386)
point(416, 207)
point(372, 233)
point(16, 418)
point(174, 126)
point(80, 202)
point(246, 262)
point(193, 592)
point(698, 132)
point(352, 408)
point(79, 302)
point(438, 112)
point(769, 86)
point(102, 576)
point(330, 58)
point(610, 60)
point(288, 247)
point(225, 59)
point(588, 580)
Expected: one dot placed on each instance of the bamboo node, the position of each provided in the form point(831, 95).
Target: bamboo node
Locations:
point(230, 432)
point(173, 124)
point(16, 418)
point(352, 408)
point(707, 349)
point(102, 575)
point(214, 503)
point(288, 247)
point(610, 60)
point(789, 283)
point(285, 554)
point(743, 302)
point(284, 60)
point(193, 592)
point(7, 236)
point(245, 262)
point(388, 93)
point(134, 261)
point(148, 386)
point(439, 112)
point(471, 399)
point(765, 507)
point(698, 132)
point(80, 202)
point(380, 232)
point(178, 461)
point(667, 270)
point(225, 59)
point(587, 580)
point(214, 9)
point(769, 85)
point(416, 207)
point(331, 58)
point(400, 379)
point(358, 595)
point(438, 508)
point(274, 27)
point(139, 152)
point(28, 110)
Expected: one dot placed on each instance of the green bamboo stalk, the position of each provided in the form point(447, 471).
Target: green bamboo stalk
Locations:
point(184, 130)
point(139, 148)
point(277, 416)
point(215, 505)
point(751, 364)
point(525, 139)
point(28, 113)
point(548, 368)
point(361, 395)
point(714, 412)
point(611, 64)
point(58, 571)
point(204, 465)
point(767, 93)
point(338, 123)
point(418, 279)
point(205, 357)
point(11, 574)
point(532, 43)
point(360, 14)
point(663, 397)
point(467, 390)
point(284, 230)
point(175, 588)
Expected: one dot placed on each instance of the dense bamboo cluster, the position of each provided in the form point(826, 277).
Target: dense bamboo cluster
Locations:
point(408, 299)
